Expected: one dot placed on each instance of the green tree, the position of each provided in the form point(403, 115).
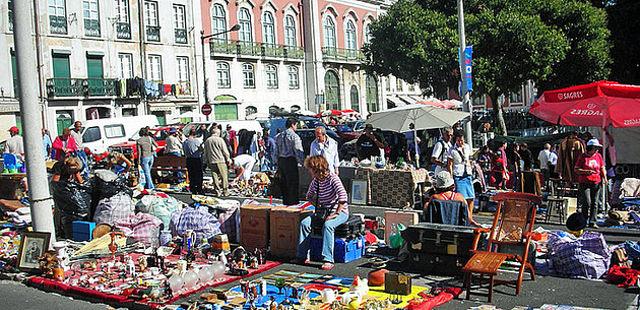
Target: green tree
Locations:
point(514, 41)
point(625, 35)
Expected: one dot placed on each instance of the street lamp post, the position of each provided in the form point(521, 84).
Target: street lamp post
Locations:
point(203, 37)
point(466, 102)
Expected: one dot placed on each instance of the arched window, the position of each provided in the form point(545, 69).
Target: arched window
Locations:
point(244, 19)
point(367, 33)
point(290, 31)
point(355, 98)
point(268, 29)
point(329, 32)
point(250, 110)
point(248, 75)
point(350, 36)
point(271, 73)
point(219, 22)
point(399, 85)
point(224, 76)
point(331, 90)
point(372, 94)
point(294, 77)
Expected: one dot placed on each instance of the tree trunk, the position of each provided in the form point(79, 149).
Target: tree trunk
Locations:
point(498, 117)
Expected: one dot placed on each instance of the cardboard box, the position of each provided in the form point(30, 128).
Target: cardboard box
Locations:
point(398, 217)
point(254, 226)
point(284, 230)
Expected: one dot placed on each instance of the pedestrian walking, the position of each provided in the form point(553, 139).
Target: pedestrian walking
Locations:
point(439, 154)
point(543, 159)
point(268, 157)
point(146, 152)
point(173, 145)
point(15, 145)
point(192, 147)
point(460, 167)
point(326, 147)
point(217, 158)
point(46, 143)
point(290, 153)
point(591, 175)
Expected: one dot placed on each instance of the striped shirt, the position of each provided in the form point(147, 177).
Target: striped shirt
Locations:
point(330, 192)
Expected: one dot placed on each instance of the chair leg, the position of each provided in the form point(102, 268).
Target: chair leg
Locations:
point(520, 276)
point(531, 271)
point(467, 283)
point(490, 288)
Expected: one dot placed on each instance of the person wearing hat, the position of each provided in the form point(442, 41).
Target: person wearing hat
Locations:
point(15, 145)
point(445, 190)
point(369, 144)
point(173, 145)
point(591, 174)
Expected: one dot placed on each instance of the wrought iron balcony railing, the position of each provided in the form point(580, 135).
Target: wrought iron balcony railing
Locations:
point(255, 49)
point(181, 36)
point(58, 24)
point(342, 54)
point(92, 27)
point(81, 87)
point(123, 30)
point(153, 33)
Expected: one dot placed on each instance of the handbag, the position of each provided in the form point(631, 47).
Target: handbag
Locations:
point(322, 211)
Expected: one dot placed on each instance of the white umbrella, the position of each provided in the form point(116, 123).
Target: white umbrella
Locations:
point(421, 116)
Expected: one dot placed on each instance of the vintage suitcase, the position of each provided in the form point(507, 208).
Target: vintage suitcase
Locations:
point(353, 227)
point(439, 245)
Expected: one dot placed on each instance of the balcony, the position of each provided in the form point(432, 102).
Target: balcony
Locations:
point(73, 87)
point(255, 49)
point(123, 31)
point(92, 27)
point(181, 36)
point(58, 24)
point(342, 54)
point(153, 33)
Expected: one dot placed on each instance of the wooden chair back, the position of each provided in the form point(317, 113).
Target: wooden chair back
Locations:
point(514, 218)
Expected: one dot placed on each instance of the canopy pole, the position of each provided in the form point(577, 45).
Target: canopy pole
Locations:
point(415, 147)
point(604, 159)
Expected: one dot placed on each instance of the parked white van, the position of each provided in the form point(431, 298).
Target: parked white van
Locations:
point(99, 134)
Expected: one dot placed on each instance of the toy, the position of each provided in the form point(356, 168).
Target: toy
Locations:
point(130, 267)
point(142, 263)
point(48, 261)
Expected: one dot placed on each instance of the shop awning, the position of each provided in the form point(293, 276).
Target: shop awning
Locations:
point(395, 101)
point(408, 99)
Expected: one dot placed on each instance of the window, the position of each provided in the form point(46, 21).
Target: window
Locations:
point(372, 94)
point(219, 22)
point(91, 15)
point(248, 74)
point(399, 85)
point(114, 131)
point(244, 18)
point(126, 65)
point(57, 17)
point(10, 13)
point(250, 110)
point(332, 90)
point(478, 101)
point(329, 32)
point(151, 21)
point(155, 67)
point(387, 84)
point(355, 98)
point(180, 24)
point(294, 78)
point(123, 26)
point(350, 36)
point(183, 69)
point(268, 29)
point(412, 87)
point(224, 76)
point(516, 97)
point(290, 31)
point(272, 76)
point(91, 134)
point(367, 33)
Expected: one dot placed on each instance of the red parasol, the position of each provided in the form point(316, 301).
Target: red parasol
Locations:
point(446, 104)
point(597, 104)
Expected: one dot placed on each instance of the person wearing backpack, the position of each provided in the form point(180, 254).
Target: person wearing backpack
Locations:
point(439, 155)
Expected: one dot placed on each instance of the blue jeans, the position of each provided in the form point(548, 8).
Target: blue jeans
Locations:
point(146, 163)
point(327, 236)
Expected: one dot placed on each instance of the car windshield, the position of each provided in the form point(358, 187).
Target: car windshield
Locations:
point(343, 128)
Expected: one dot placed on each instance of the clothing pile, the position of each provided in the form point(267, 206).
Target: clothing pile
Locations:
point(161, 206)
point(585, 257)
point(196, 218)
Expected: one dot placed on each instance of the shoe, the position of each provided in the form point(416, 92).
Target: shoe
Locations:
point(327, 266)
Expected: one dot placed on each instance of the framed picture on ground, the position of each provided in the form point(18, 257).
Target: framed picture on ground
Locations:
point(33, 245)
point(359, 192)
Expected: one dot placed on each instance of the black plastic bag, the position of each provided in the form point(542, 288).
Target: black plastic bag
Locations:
point(107, 189)
point(72, 198)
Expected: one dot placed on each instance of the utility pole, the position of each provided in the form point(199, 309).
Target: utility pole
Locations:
point(464, 92)
point(41, 201)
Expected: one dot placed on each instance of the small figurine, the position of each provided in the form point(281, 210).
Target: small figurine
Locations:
point(253, 263)
point(48, 261)
point(130, 267)
point(142, 263)
point(181, 267)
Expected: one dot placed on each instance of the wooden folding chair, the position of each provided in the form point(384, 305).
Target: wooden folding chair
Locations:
point(512, 225)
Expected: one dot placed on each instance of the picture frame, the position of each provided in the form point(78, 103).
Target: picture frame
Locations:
point(359, 192)
point(32, 247)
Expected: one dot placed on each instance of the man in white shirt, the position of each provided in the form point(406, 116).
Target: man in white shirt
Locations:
point(15, 145)
point(243, 165)
point(441, 149)
point(326, 147)
point(543, 158)
point(459, 164)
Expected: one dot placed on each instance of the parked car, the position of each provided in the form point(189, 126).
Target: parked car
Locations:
point(251, 125)
point(345, 132)
point(99, 134)
point(129, 149)
point(277, 124)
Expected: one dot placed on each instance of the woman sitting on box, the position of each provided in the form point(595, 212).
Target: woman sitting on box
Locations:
point(327, 193)
point(445, 191)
